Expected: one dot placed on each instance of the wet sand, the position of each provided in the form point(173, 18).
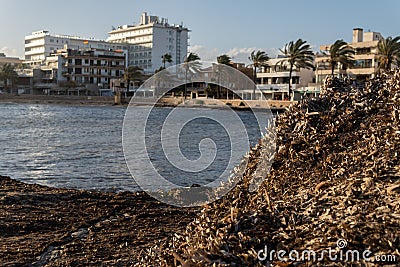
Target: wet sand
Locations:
point(42, 226)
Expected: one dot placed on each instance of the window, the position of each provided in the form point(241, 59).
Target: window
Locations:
point(362, 64)
point(363, 51)
point(51, 40)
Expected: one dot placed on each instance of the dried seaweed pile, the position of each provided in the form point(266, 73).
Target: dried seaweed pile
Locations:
point(336, 175)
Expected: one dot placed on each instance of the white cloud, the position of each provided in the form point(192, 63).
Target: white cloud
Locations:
point(205, 53)
point(9, 52)
point(238, 54)
point(241, 54)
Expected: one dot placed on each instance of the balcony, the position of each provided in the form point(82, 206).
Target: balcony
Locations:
point(280, 74)
point(35, 44)
point(362, 71)
point(30, 53)
point(276, 87)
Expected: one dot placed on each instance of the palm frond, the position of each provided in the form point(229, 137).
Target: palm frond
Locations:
point(388, 52)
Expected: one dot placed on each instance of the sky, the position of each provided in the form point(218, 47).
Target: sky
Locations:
point(217, 26)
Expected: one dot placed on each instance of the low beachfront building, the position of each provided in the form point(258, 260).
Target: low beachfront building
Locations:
point(151, 39)
point(14, 61)
point(273, 81)
point(365, 65)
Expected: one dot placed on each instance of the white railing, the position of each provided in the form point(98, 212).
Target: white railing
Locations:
point(276, 87)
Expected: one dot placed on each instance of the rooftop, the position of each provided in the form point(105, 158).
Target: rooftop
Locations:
point(148, 20)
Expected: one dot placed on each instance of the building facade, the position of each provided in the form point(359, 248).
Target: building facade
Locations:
point(14, 61)
point(366, 63)
point(273, 80)
point(41, 44)
point(150, 40)
point(88, 66)
point(77, 72)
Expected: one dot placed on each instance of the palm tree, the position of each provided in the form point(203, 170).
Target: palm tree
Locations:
point(133, 73)
point(191, 57)
point(7, 74)
point(340, 52)
point(297, 54)
point(388, 52)
point(167, 58)
point(224, 59)
point(259, 59)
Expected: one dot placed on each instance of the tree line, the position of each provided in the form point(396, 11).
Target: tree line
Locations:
point(296, 54)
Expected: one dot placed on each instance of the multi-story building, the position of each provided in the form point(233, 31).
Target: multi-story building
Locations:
point(83, 71)
point(273, 80)
point(365, 64)
point(41, 44)
point(150, 40)
point(88, 66)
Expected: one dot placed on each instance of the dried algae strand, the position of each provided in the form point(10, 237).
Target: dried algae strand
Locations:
point(335, 176)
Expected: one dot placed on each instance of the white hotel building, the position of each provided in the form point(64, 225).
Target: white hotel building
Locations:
point(41, 44)
point(150, 40)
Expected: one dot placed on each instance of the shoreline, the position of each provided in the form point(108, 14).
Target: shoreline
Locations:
point(43, 226)
point(57, 100)
point(101, 101)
